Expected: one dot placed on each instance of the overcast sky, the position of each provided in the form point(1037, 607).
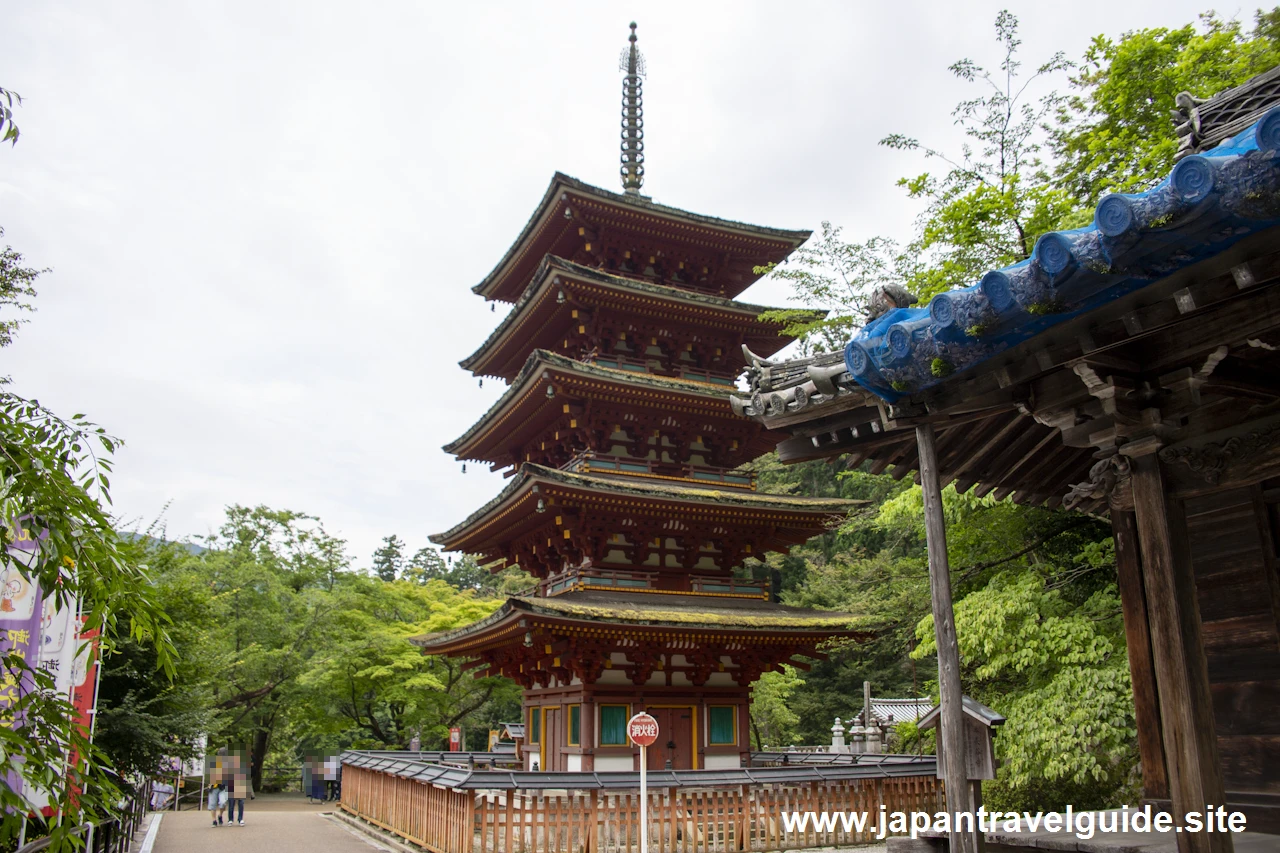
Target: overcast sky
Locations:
point(264, 218)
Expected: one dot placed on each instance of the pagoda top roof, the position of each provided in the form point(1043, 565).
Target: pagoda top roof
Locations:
point(651, 611)
point(554, 275)
point(567, 200)
point(696, 500)
point(525, 398)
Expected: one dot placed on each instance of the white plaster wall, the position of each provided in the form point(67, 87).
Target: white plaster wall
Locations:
point(723, 762)
point(720, 679)
point(573, 762)
point(613, 676)
point(614, 762)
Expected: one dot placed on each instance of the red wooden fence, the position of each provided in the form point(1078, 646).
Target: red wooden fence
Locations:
point(682, 820)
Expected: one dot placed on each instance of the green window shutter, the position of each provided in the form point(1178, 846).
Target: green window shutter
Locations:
point(575, 723)
point(721, 725)
point(535, 725)
point(613, 725)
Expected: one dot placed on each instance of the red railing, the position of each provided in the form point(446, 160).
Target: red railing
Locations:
point(591, 463)
point(572, 579)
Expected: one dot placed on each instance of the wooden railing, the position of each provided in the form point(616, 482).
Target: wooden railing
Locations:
point(691, 818)
point(657, 367)
point(572, 579)
point(591, 463)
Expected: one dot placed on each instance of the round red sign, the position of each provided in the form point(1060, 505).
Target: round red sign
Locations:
point(642, 729)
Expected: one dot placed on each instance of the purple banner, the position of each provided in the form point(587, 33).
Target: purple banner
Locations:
point(20, 616)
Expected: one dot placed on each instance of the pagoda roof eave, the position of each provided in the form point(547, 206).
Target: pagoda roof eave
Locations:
point(562, 184)
point(542, 362)
point(531, 475)
point(539, 288)
point(641, 611)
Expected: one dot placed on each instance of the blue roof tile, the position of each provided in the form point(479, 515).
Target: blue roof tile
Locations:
point(1208, 202)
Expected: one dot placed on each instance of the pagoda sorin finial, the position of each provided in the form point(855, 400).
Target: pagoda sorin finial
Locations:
point(632, 62)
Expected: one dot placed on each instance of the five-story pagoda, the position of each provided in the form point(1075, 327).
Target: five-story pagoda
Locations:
point(621, 352)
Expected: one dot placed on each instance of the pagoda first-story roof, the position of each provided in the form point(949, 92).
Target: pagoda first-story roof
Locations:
point(563, 296)
point(572, 212)
point(1176, 342)
point(584, 633)
point(547, 518)
point(561, 401)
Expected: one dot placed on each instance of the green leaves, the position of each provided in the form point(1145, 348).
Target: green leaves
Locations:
point(54, 471)
point(1115, 133)
point(832, 280)
point(9, 129)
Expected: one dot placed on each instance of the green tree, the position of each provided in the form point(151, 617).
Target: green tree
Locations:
point(988, 205)
point(54, 481)
point(388, 560)
point(54, 477)
point(1114, 133)
point(17, 288)
point(373, 684)
point(1056, 667)
point(831, 280)
point(773, 722)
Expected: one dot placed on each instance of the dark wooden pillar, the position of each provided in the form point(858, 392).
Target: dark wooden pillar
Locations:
point(951, 720)
point(1182, 677)
point(1137, 632)
point(587, 730)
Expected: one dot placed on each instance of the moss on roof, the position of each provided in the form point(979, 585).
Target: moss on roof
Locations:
point(551, 262)
point(651, 609)
point(541, 359)
point(618, 485)
point(687, 610)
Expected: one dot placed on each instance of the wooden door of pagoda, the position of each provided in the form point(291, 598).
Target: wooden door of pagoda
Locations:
point(675, 739)
point(553, 738)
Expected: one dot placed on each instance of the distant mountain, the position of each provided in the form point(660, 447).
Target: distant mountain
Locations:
point(190, 547)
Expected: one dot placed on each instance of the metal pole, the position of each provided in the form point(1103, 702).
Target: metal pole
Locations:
point(644, 801)
point(951, 721)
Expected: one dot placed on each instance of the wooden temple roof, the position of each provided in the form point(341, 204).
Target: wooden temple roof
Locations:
point(789, 520)
point(1164, 308)
point(559, 289)
point(685, 617)
point(570, 204)
point(526, 410)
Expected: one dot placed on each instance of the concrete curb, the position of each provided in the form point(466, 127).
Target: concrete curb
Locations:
point(153, 827)
point(390, 840)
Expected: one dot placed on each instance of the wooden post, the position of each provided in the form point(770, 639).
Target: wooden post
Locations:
point(1133, 602)
point(951, 720)
point(1177, 646)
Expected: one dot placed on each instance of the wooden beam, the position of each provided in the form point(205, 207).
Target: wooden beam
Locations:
point(1177, 645)
point(1133, 602)
point(951, 722)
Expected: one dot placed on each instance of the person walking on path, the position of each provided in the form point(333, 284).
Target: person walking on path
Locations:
point(239, 789)
point(217, 789)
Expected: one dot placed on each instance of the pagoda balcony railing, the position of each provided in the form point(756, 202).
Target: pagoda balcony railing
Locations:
point(450, 809)
point(657, 367)
point(592, 463)
point(572, 579)
point(596, 578)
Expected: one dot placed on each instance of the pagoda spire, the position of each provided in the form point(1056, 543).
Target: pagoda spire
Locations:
point(632, 62)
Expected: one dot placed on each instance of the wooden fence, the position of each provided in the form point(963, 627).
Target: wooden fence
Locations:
point(681, 820)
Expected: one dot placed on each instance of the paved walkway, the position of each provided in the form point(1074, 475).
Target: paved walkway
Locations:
point(273, 823)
